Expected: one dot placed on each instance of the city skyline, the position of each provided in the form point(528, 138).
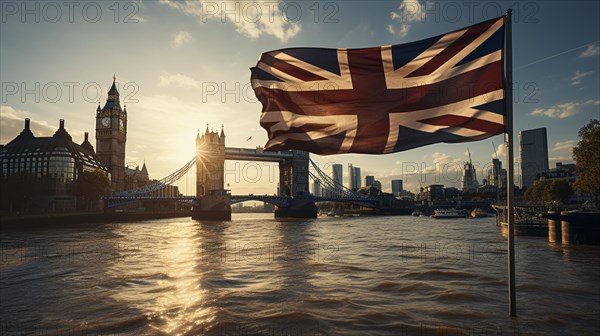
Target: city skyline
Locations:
point(176, 80)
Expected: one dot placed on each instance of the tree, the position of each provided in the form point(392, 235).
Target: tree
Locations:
point(535, 192)
point(90, 187)
point(559, 191)
point(19, 192)
point(587, 160)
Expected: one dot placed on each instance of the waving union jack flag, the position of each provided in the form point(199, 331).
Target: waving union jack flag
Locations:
point(386, 99)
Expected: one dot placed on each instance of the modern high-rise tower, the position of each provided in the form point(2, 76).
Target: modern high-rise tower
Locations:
point(534, 154)
point(495, 174)
point(469, 177)
point(337, 174)
point(397, 188)
point(111, 135)
point(354, 180)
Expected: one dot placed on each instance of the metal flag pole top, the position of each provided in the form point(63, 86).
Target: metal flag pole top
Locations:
point(512, 302)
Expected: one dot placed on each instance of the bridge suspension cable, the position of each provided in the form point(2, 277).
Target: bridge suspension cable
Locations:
point(163, 187)
point(330, 186)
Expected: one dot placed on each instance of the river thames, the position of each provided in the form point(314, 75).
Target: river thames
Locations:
point(259, 276)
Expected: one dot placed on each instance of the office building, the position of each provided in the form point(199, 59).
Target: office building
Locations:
point(354, 179)
point(397, 188)
point(534, 154)
point(337, 174)
point(496, 175)
point(469, 177)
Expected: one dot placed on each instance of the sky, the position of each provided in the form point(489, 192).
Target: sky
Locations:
point(181, 65)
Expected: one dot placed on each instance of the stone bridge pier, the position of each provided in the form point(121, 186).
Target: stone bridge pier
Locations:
point(294, 182)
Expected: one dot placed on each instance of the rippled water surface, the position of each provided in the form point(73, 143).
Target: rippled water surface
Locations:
point(257, 275)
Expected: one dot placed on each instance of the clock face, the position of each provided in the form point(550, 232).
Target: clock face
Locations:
point(121, 125)
point(105, 121)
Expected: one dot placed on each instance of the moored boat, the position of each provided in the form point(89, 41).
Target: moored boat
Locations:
point(478, 213)
point(449, 213)
point(416, 213)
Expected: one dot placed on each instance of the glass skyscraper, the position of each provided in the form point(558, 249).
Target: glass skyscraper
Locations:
point(534, 154)
point(337, 174)
point(397, 188)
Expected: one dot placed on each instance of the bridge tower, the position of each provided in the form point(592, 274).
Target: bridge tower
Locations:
point(210, 182)
point(210, 162)
point(293, 174)
point(293, 181)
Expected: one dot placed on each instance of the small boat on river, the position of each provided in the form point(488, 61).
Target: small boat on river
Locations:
point(478, 213)
point(449, 213)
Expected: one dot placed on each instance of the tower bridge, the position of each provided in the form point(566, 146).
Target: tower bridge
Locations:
point(215, 200)
point(200, 183)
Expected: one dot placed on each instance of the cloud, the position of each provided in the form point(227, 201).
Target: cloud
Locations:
point(561, 158)
point(134, 6)
point(12, 122)
point(577, 76)
point(390, 28)
point(558, 111)
point(445, 170)
point(180, 38)
point(250, 18)
point(591, 50)
point(178, 80)
point(438, 157)
point(409, 11)
point(444, 162)
point(500, 151)
point(564, 145)
point(137, 19)
point(562, 111)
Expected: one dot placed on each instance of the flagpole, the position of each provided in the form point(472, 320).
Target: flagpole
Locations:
point(512, 302)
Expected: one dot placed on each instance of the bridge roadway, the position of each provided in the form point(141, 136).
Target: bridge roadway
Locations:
point(258, 154)
point(280, 201)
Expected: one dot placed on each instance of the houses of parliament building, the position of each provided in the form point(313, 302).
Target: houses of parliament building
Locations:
point(51, 166)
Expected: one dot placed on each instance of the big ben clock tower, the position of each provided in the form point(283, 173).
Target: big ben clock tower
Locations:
point(111, 135)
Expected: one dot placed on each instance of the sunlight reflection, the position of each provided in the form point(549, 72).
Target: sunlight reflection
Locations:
point(162, 280)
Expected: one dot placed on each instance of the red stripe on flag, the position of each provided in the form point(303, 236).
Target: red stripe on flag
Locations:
point(438, 60)
point(299, 129)
point(465, 122)
point(368, 82)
